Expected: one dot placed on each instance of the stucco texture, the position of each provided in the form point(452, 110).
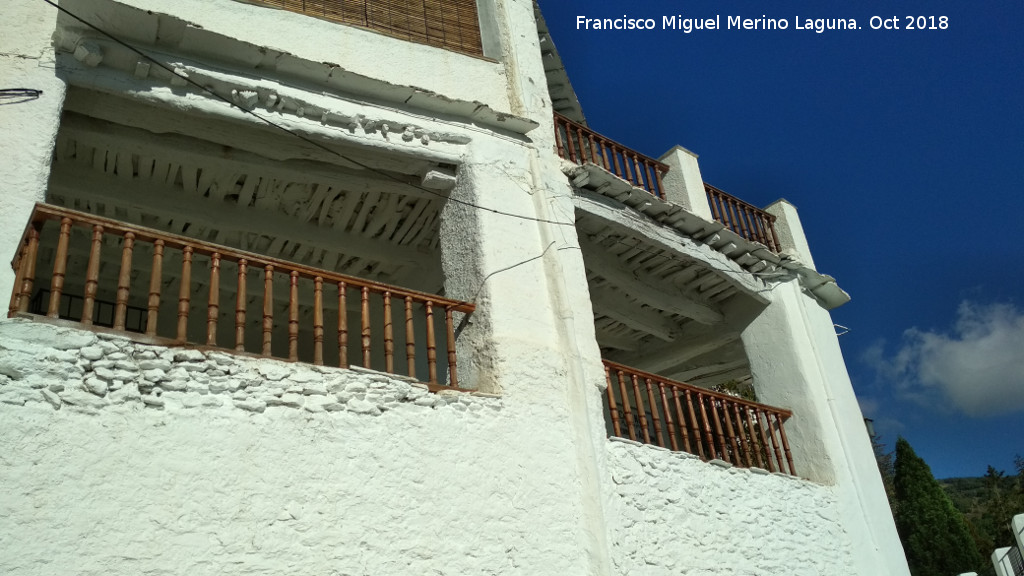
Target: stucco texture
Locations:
point(670, 513)
point(122, 458)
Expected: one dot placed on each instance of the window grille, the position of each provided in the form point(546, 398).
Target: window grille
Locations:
point(450, 24)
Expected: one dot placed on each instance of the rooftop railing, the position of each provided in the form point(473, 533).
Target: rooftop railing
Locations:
point(579, 144)
point(744, 219)
point(654, 410)
point(274, 307)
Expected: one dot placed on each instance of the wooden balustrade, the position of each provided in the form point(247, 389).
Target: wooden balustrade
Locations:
point(580, 144)
point(654, 410)
point(744, 219)
point(143, 252)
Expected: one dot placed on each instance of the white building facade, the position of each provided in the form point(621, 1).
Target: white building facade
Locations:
point(351, 288)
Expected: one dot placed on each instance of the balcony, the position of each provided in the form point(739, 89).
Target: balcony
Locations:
point(177, 290)
point(448, 24)
point(654, 410)
point(746, 220)
point(579, 144)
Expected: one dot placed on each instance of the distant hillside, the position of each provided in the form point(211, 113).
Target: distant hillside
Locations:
point(967, 494)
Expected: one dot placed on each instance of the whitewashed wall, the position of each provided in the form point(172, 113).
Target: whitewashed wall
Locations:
point(121, 458)
point(671, 513)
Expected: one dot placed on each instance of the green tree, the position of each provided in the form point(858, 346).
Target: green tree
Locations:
point(885, 462)
point(935, 537)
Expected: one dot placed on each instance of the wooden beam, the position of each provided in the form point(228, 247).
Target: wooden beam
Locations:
point(614, 305)
point(712, 380)
point(597, 212)
point(609, 339)
point(671, 357)
point(72, 181)
point(240, 133)
point(693, 374)
point(645, 287)
point(212, 156)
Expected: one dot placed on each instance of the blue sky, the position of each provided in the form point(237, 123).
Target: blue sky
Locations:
point(902, 149)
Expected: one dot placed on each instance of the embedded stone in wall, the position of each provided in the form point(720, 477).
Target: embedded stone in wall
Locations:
point(85, 371)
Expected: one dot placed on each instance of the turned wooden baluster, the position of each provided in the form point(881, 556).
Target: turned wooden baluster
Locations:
point(682, 423)
point(630, 422)
point(293, 316)
point(658, 436)
point(213, 304)
point(582, 144)
point(617, 167)
point(641, 410)
point(604, 154)
point(696, 426)
point(754, 443)
point(410, 339)
point(740, 434)
point(124, 281)
point(718, 208)
point(318, 321)
point(627, 164)
point(342, 326)
point(184, 292)
point(709, 437)
point(776, 445)
point(366, 326)
point(559, 143)
point(785, 447)
point(741, 227)
point(569, 146)
point(155, 281)
point(613, 408)
point(268, 307)
point(661, 187)
point(638, 177)
point(19, 275)
point(669, 423)
point(449, 322)
point(756, 226)
point(240, 305)
point(765, 445)
point(28, 278)
point(593, 147)
point(431, 343)
point(60, 266)
point(731, 431)
point(92, 275)
point(719, 434)
point(389, 335)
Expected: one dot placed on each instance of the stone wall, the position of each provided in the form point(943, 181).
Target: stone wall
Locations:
point(671, 513)
point(122, 458)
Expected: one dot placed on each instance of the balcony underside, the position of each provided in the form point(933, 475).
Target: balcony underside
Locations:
point(375, 216)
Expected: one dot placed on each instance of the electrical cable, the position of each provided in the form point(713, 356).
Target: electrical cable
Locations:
point(283, 128)
point(333, 152)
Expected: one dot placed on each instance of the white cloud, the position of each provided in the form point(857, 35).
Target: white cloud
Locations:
point(978, 367)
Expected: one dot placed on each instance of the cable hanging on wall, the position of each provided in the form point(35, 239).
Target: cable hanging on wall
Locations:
point(18, 95)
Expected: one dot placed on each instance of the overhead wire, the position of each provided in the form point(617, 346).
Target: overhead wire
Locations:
point(287, 130)
point(363, 165)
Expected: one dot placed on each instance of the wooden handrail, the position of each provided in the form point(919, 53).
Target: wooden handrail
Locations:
point(418, 306)
point(579, 144)
point(744, 219)
point(654, 410)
